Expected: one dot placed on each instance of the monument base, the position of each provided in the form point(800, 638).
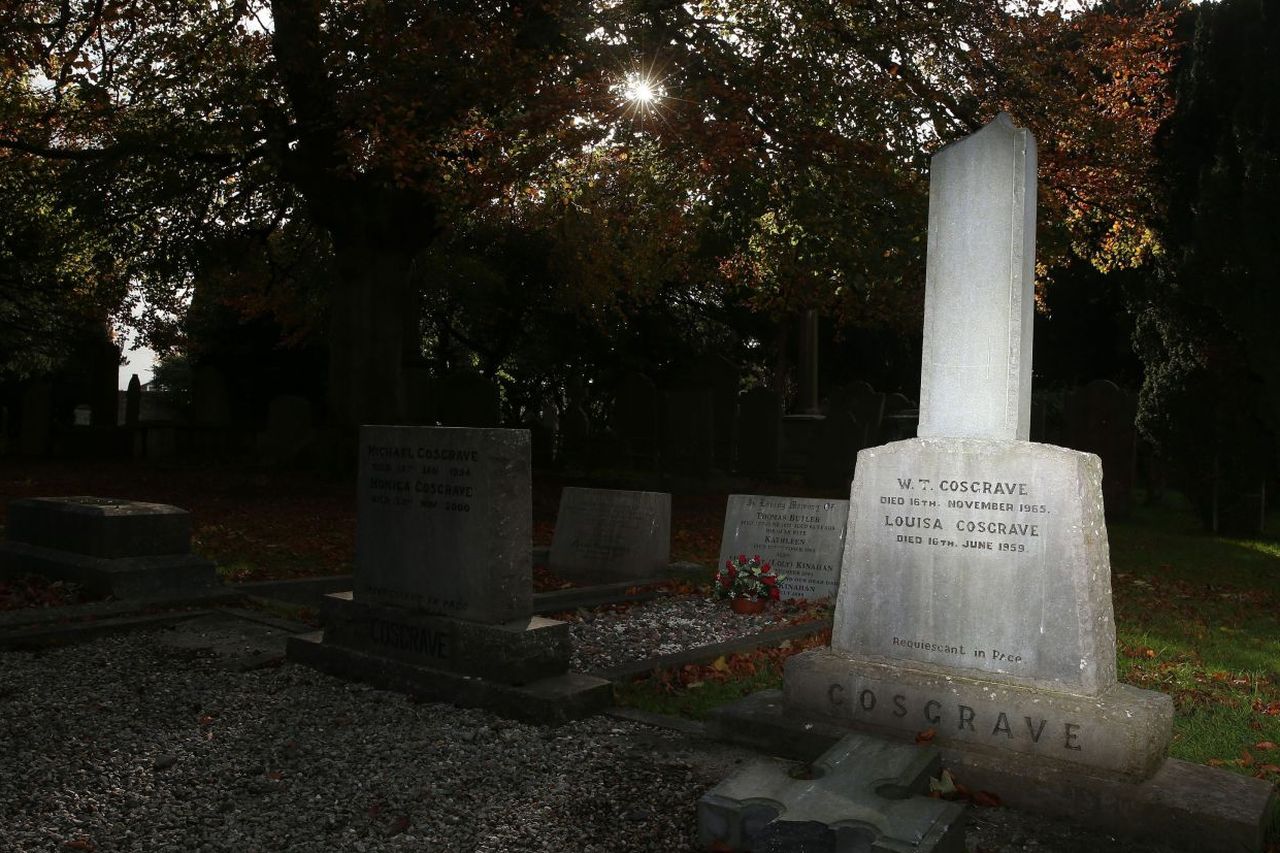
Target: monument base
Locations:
point(1189, 806)
point(1122, 731)
point(552, 700)
point(160, 577)
point(516, 652)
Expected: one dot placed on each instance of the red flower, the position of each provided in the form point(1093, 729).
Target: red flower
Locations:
point(732, 572)
point(774, 593)
point(769, 580)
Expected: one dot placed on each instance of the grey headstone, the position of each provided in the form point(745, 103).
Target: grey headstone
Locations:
point(444, 521)
point(975, 379)
point(802, 537)
point(864, 793)
point(606, 535)
point(759, 433)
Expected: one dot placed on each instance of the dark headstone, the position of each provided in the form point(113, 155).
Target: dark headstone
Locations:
point(36, 419)
point(132, 401)
point(445, 521)
point(467, 400)
point(574, 437)
point(719, 377)
point(832, 457)
point(443, 582)
point(688, 438)
point(210, 397)
point(289, 428)
point(1099, 418)
point(637, 414)
point(759, 433)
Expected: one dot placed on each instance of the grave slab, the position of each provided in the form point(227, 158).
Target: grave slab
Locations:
point(607, 535)
point(802, 537)
point(1186, 806)
point(110, 546)
point(863, 793)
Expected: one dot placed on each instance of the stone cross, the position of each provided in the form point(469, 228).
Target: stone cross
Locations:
point(864, 793)
point(975, 375)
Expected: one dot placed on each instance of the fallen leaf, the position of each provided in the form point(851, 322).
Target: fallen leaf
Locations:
point(720, 664)
point(986, 798)
point(926, 736)
point(944, 785)
point(1265, 744)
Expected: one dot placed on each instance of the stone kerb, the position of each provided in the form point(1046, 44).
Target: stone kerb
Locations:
point(445, 521)
point(802, 537)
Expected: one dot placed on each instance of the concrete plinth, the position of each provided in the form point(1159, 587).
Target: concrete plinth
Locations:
point(552, 700)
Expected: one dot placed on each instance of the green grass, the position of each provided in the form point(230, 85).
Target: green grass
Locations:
point(1197, 617)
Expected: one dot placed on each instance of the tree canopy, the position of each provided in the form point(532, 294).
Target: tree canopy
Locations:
point(355, 157)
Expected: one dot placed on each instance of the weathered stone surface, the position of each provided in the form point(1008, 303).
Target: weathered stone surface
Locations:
point(100, 527)
point(445, 521)
point(802, 537)
point(975, 378)
point(605, 535)
point(516, 652)
point(158, 577)
point(863, 793)
point(981, 557)
point(552, 700)
point(1121, 731)
point(1186, 806)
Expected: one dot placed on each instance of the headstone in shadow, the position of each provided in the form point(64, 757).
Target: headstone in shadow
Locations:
point(759, 433)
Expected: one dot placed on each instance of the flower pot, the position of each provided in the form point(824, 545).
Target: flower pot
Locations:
point(747, 605)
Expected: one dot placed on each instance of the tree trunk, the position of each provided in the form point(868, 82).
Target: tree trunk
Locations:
point(366, 336)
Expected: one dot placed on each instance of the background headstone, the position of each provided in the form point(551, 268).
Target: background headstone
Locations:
point(467, 399)
point(759, 433)
point(36, 418)
point(210, 397)
point(688, 434)
point(636, 417)
point(445, 521)
point(289, 428)
point(802, 537)
point(1099, 419)
point(607, 535)
point(833, 455)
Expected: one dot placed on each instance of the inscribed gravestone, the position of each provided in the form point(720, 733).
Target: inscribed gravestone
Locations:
point(605, 535)
point(975, 594)
point(445, 521)
point(802, 537)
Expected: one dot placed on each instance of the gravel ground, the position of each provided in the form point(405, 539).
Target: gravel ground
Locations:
point(662, 626)
point(153, 741)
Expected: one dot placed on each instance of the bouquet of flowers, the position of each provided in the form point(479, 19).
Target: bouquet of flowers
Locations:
point(751, 579)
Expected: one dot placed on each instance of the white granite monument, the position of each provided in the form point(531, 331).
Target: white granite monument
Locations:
point(975, 592)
